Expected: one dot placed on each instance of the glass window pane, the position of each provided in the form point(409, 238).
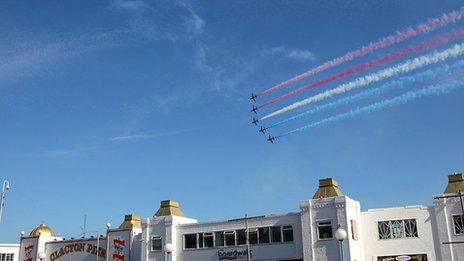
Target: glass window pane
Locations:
point(229, 238)
point(324, 229)
point(156, 243)
point(410, 227)
point(200, 240)
point(253, 236)
point(287, 232)
point(241, 237)
point(208, 240)
point(397, 228)
point(263, 235)
point(190, 241)
point(219, 238)
point(458, 223)
point(276, 236)
point(384, 230)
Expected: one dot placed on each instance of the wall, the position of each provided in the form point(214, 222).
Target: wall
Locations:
point(374, 247)
point(10, 249)
point(340, 211)
point(271, 251)
point(444, 209)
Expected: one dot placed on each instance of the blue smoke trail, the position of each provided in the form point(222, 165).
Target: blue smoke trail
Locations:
point(436, 89)
point(430, 74)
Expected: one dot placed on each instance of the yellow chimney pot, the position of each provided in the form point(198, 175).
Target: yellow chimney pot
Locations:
point(327, 188)
point(168, 208)
point(455, 183)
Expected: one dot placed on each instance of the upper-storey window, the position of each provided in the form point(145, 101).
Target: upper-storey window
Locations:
point(229, 238)
point(219, 238)
point(276, 234)
point(260, 235)
point(156, 243)
point(190, 241)
point(458, 222)
point(6, 257)
point(208, 239)
point(324, 229)
point(263, 235)
point(393, 229)
point(287, 233)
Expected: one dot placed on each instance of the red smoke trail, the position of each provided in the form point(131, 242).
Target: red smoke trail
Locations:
point(428, 44)
point(400, 36)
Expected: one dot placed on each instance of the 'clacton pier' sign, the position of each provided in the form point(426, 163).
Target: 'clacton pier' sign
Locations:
point(77, 250)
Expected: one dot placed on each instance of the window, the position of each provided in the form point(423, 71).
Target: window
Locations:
point(200, 240)
point(276, 235)
point(263, 235)
point(190, 241)
point(156, 243)
point(219, 238)
point(324, 230)
point(208, 240)
point(458, 222)
point(287, 233)
point(229, 238)
point(6, 257)
point(393, 229)
point(241, 237)
point(354, 230)
point(253, 236)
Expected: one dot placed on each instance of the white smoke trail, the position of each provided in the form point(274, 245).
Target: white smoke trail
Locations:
point(405, 67)
point(436, 89)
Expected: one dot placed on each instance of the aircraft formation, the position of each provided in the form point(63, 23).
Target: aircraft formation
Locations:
point(401, 65)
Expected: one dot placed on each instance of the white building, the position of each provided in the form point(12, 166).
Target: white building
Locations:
point(9, 252)
point(415, 233)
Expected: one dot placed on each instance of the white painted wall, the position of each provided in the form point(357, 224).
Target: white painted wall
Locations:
point(374, 247)
point(10, 249)
point(271, 251)
point(443, 210)
point(338, 210)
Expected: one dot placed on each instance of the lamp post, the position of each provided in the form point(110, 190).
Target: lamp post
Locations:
point(6, 186)
point(168, 248)
point(340, 235)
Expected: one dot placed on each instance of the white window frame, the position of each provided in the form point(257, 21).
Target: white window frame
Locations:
point(213, 235)
point(331, 227)
point(152, 245)
point(403, 222)
point(293, 233)
point(229, 232)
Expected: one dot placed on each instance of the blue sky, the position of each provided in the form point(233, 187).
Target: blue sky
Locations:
point(108, 107)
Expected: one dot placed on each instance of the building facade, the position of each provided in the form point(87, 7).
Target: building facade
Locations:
point(416, 233)
point(9, 252)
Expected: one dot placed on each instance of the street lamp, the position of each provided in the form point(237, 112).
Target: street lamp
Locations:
point(6, 186)
point(340, 235)
point(168, 249)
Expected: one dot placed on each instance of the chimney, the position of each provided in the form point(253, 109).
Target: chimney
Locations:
point(327, 188)
point(168, 208)
point(455, 183)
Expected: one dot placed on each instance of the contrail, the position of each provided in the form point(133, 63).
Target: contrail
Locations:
point(422, 46)
point(405, 67)
point(397, 37)
point(430, 74)
point(402, 99)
